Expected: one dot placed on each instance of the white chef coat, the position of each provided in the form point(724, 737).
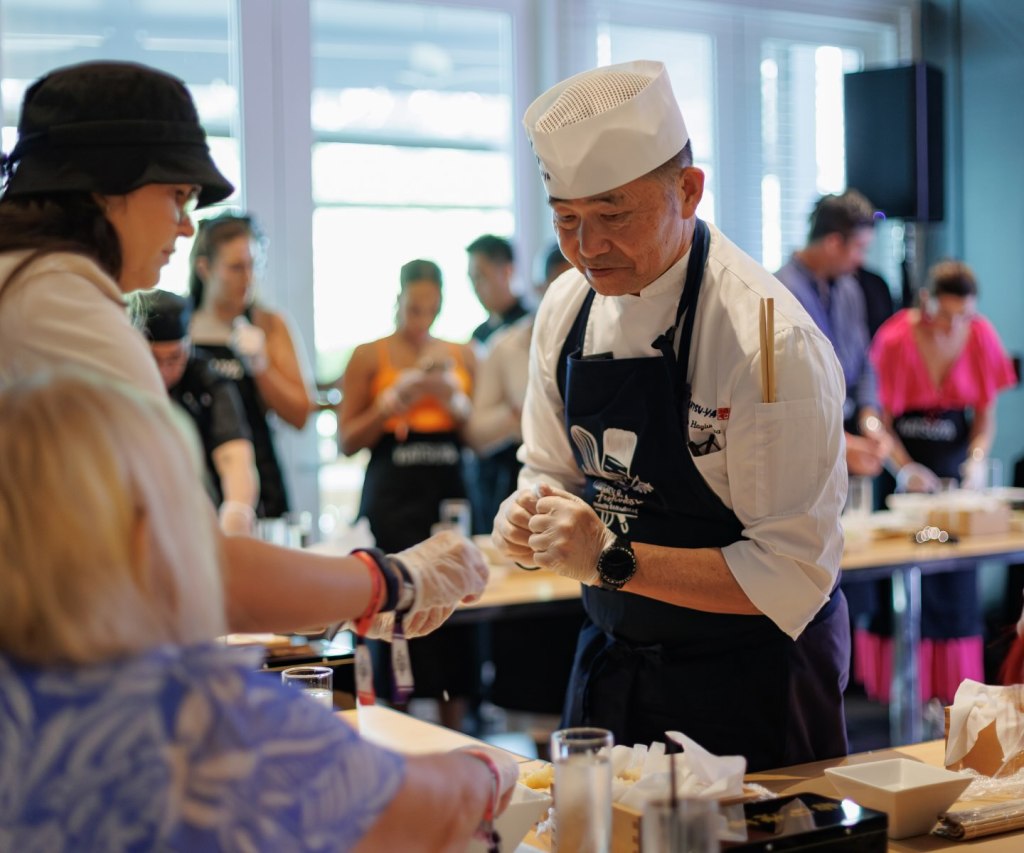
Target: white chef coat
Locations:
point(779, 466)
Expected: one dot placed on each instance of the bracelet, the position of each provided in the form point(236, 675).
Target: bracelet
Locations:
point(390, 574)
point(377, 593)
point(495, 773)
point(407, 593)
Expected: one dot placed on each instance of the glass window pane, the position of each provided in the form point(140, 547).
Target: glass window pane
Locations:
point(689, 58)
point(190, 39)
point(357, 255)
point(379, 174)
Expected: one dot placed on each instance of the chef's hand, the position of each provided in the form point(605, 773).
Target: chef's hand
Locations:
point(915, 477)
point(511, 532)
point(250, 345)
point(567, 536)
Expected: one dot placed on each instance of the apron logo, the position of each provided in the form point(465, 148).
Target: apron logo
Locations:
point(723, 413)
point(612, 503)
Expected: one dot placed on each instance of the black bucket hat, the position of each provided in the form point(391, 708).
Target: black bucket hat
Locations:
point(110, 127)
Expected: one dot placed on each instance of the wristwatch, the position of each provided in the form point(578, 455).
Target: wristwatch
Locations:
point(617, 564)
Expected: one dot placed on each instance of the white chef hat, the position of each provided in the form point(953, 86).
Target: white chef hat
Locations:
point(604, 128)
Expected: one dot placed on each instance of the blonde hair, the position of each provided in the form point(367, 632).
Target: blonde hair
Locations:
point(107, 543)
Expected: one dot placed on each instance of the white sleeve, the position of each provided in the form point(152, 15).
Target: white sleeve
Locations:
point(493, 422)
point(545, 453)
point(787, 480)
point(73, 315)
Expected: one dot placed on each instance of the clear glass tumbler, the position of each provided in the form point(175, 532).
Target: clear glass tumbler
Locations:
point(688, 825)
point(315, 682)
point(583, 790)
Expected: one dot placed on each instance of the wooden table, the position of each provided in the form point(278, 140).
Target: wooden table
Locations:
point(810, 777)
point(513, 591)
point(904, 562)
point(412, 736)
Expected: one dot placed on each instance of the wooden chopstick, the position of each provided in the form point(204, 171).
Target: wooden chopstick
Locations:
point(766, 326)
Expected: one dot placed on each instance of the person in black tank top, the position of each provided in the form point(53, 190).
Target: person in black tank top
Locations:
point(249, 345)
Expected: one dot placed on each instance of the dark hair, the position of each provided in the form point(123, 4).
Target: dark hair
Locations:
point(952, 278)
point(496, 249)
point(553, 261)
point(211, 234)
point(59, 222)
point(165, 315)
point(668, 170)
point(840, 214)
point(419, 270)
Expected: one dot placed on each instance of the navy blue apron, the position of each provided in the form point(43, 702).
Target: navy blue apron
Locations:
point(736, 684)
point(950, 607)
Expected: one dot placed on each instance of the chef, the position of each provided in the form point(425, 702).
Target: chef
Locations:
point(702, 521)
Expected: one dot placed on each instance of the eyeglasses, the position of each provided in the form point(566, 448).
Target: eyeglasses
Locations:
point(186, 203)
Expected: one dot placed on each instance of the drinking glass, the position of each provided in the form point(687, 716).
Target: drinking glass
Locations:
point(457, 513)
point(860, 496)
point(315, 682)
point(688, 825)
point(583, 790)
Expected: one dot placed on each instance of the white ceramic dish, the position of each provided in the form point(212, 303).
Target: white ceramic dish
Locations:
point(527, 807)
point(911, 793)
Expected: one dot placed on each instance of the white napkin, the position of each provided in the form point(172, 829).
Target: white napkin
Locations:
point(699, 773)
point(974, 707)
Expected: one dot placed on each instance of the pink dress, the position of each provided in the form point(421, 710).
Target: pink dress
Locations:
point(949, 652)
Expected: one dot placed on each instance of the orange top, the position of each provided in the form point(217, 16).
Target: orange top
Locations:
point(428, 414)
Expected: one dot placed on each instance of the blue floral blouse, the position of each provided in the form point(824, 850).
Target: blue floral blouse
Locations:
point(180, 749)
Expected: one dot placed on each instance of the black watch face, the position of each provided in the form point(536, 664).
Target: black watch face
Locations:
point(617, 565)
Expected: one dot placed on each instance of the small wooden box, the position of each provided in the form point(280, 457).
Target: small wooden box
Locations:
point(986, 756)
point(972, 522)
point(625, 829)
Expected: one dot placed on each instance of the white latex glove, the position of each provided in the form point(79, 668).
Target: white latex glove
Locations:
point(406, 390)
point(249, 344)
point(974, 474)
point(567, 536)
point(511, 531)
point(915, 477)
point(446, 568)
point(236, 518)
point(508, 772)
point(415, 624)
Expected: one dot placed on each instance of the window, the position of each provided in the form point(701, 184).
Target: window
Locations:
point(761, 89)
point(412, 158)
point(190, 39)
point(412, 121)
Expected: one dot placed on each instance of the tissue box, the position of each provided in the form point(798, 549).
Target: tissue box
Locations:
point(972, 522)
point(986, 756)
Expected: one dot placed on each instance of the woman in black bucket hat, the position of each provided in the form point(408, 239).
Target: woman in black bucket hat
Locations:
point(110, 160)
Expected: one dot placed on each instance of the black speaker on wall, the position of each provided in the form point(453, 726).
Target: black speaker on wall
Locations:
point(894, 148)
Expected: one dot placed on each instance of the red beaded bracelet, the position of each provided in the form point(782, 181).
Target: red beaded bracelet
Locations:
point(377, 593)
point(486, 759)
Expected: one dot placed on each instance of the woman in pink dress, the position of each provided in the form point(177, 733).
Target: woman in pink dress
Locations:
point(940, 368)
